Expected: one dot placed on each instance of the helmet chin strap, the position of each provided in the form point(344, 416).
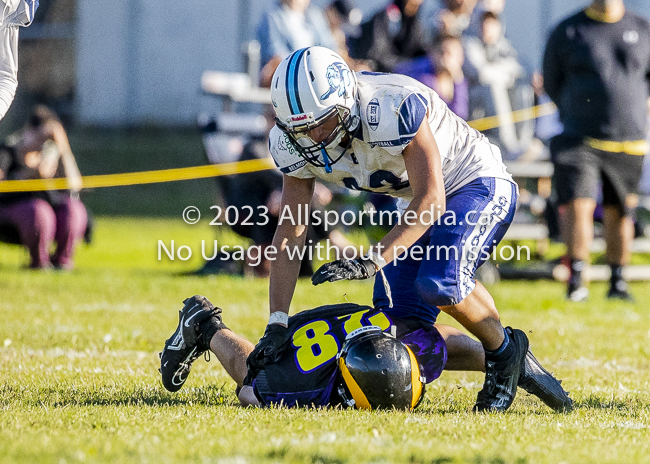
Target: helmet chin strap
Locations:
point(351, 131)
point(326, 159)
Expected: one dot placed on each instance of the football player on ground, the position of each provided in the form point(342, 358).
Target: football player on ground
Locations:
point(338, 355)
point(389, 134)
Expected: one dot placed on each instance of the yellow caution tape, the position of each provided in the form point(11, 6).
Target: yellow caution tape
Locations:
point(144, 177)
point(216, 170)
point(492, 122)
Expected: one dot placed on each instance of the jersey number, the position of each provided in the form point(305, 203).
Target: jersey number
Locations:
point(378, 179)
point(316, 345)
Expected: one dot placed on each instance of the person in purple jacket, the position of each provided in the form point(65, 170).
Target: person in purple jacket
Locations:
point(442, 70)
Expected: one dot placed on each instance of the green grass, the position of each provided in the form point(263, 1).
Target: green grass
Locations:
point(79, 380)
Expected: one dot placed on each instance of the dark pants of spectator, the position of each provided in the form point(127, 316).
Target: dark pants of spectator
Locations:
point(39, 224)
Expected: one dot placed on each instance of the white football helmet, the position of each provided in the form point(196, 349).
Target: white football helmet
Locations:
point(309, 87)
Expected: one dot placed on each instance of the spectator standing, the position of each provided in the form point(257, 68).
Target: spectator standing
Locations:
point(493, 6)
point(344, 20)
point(495, 74)
point(442, 70)
point(41, 151)
point(14, 13)
point(597, 71)
point(455, 16)
point(393, 35)
point(288, 26)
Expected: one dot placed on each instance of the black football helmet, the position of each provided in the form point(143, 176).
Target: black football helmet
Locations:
point(378, 372)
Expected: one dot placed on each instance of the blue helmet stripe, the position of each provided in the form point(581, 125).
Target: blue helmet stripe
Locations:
point(292, 82)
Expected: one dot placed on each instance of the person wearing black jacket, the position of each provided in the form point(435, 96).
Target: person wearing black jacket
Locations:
point(597, 71)
point(392, 36)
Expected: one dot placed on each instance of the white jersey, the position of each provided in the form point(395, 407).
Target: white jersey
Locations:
point(392, 108)
point(13, 13)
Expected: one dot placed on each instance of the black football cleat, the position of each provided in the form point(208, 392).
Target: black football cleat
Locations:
point(501, 378)
point(539, 382)
point(188, 342)
point(618, 291)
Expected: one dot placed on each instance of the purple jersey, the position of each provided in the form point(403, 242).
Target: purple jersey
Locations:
point(307, 373)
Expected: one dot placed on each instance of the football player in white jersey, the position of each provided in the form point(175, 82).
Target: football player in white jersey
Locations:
point(14, 13)
point(389, 134)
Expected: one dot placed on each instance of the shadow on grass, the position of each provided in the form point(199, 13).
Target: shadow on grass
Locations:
point(449, 406)
point(609, 402)
point(288, 454)
point(65, 396)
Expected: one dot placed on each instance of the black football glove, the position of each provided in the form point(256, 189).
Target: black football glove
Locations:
point(348, 269)
point(269, 348)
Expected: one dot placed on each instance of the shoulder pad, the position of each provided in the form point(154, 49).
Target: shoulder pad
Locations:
point(392, 114)
point(285, 156)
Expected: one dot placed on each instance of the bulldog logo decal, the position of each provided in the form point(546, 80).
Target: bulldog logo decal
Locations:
point(338, 77)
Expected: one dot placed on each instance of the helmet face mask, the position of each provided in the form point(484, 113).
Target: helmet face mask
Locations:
point(378, 372)
point(310, 149)
point(310, 87)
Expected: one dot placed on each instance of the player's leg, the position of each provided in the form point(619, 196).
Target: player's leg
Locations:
point(444, 276)
point(199, 320)
point(483, 211)
point(232, 351)
point(478, 313)
point(622, 173)
point(576, 176)
point(466, 354)
point(463, 352)
point(477, 217)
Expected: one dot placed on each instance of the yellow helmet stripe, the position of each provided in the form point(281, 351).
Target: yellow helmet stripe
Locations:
point(360, 400)
point(416, 389)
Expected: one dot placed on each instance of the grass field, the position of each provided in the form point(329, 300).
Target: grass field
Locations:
point(79, 380)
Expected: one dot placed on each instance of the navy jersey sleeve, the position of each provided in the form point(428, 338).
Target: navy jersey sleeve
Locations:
point(396, 132)
point(411, 114)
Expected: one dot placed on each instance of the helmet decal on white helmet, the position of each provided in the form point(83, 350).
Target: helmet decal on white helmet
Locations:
point(338, 77)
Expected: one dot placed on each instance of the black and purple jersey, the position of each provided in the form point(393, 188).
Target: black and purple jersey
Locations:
point(306, 374)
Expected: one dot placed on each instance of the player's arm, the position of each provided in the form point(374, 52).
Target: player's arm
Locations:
point(290, 233)
point(247, 396)
point(296, 193)
point(424, 168)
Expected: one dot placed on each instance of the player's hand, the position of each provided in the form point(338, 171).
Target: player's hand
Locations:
point(269, 348)
point(348, 269)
